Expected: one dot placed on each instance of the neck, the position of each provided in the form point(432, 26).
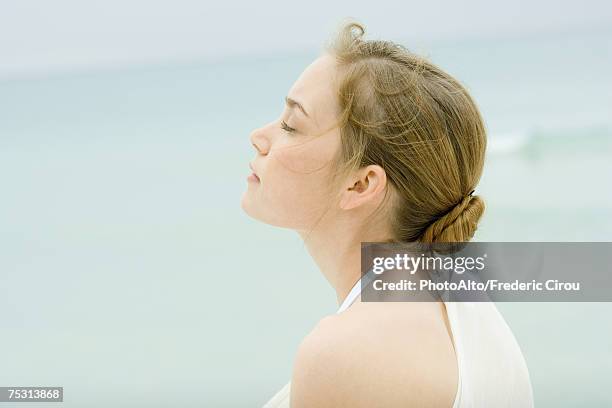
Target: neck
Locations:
point(339, 262)
point(337, 253)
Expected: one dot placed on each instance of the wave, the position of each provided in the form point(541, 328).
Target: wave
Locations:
point(517, 141)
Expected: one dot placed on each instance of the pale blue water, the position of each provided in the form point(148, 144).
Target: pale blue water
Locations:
point(129, 273)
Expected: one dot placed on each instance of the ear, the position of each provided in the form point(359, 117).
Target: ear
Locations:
point(366, 185)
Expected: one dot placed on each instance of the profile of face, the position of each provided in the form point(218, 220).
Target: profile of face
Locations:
point(294, 153)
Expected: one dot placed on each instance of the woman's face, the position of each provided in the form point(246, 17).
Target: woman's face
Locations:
point(294, 153)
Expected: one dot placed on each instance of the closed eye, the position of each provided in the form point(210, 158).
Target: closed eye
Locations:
point(285, 127)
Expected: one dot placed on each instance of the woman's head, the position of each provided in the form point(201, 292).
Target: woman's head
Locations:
point(394, 133)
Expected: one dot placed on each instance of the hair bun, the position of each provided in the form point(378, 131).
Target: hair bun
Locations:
point(457, 225)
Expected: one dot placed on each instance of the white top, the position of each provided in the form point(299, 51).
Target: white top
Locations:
point(492, 370)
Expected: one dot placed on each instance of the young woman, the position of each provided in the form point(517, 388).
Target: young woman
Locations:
point(377, 144)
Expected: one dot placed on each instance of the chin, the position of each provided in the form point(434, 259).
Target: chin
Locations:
point(245, 203)
point(250, 208)
point(265, 217)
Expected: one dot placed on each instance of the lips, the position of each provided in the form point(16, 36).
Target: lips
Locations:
point(253, 170)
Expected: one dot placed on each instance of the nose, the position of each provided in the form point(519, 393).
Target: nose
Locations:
point(259, 141)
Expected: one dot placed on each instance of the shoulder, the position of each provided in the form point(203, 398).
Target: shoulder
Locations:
point(376, 354)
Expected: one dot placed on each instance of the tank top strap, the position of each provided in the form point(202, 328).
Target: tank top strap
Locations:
point(356, 290)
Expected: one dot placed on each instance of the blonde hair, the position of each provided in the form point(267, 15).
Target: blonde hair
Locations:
point(400, 111)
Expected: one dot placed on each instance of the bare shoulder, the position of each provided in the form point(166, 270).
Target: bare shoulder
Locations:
point(377, 354)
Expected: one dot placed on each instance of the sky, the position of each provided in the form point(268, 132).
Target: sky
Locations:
point(45, 37)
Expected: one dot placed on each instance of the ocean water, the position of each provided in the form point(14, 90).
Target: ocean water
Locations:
point(130, 276)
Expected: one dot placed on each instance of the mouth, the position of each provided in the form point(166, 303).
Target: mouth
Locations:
point(253, 176)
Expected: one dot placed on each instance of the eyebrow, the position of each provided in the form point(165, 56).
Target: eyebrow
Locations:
point(292, 102)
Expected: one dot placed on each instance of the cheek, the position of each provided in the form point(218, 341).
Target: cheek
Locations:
point(312, 156)
point(298, 176)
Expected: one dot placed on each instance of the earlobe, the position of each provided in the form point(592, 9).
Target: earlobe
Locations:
point(345, 201)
